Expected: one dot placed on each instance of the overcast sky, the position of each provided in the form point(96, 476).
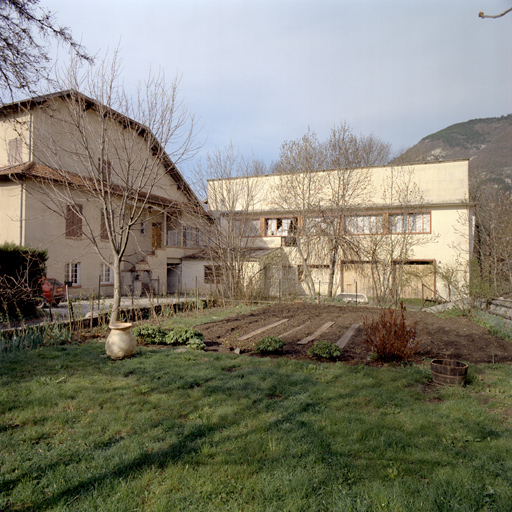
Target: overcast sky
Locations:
point(259, 72)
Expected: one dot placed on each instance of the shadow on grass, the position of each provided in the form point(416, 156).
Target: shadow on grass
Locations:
point(187, 445)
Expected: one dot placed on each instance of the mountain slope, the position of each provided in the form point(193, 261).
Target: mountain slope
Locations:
point(486, 142)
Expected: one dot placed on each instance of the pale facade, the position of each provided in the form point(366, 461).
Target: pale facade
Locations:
point(35, 142)
point(416, 218)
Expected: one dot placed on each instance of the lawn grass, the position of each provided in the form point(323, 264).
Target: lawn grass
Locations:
point(196, 431)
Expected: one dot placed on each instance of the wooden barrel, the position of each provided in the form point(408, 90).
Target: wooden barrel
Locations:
point(447, 371)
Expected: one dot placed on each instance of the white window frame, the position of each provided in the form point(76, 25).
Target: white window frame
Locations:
point(106, 276)
point(191, 236)
point(72, 272)
point(364, 224)
point(410, 223)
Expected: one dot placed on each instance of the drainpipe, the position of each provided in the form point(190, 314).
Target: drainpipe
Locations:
point(21, 212)
point(22, 190)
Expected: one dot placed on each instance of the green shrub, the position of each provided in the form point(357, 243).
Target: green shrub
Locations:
point(389, 337)
point(150, 334)
point(30, 338)
point(324, 349)
point(182, 335)
point(196, 344)
point(269, 345)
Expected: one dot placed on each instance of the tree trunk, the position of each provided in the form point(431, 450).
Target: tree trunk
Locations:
point(114, 317)
point(332, 270)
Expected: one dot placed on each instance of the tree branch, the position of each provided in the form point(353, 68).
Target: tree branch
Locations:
point(482, 15)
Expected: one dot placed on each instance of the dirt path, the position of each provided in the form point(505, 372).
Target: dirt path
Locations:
point(454, 338)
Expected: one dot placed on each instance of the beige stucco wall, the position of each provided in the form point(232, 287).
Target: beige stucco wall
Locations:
point(57, 143)
point(437, 183)
point(45, 229)
point(10, 200)
point(12, 128)
point(192, 275)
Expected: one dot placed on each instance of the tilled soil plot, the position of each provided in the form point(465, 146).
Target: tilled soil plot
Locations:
point(453, 338)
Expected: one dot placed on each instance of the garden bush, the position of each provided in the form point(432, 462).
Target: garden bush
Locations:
point(324, 349)
point(196, 344)
point(150, 334)
point(389, 337)
point(182, 335)
point(269, 345)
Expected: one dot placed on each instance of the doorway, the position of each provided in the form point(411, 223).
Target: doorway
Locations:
point(173, 277)
point(156, 236)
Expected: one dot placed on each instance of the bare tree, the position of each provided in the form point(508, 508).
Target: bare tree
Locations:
point(115, 152)
point(233, 199)
point(329, 179)
point(492, 268)
point(391, 238)
point(348, 187)
point(25, 32)
point(298, 193)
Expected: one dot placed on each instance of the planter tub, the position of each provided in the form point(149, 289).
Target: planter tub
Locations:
point(447, 371)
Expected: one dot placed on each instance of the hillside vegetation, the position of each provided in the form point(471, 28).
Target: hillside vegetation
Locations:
point(486, 142)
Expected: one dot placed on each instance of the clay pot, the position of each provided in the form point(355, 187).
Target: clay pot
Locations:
point(121, 342)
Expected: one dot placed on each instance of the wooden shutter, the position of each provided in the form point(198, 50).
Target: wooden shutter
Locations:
point(103, 228)
point(74, 221)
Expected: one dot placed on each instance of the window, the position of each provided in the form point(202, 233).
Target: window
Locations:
point(322, 226)
point(143, 228)
point(363, 224)
point(280, 227)
point(212, 274)
point(105, 169)
point(172, 238)
point(14, 151)
point(410, 222)
point(246, 227)
point(103, 228)
point(190, 236)
point(106, 274)
point(174, 231)
point(74, 221)
point(72, 273)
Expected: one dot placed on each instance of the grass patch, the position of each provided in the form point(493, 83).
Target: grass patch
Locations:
point(194, 318)
point(453, 313)
point(211, 432)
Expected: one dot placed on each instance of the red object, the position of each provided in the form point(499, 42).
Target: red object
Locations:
point(53, 291)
